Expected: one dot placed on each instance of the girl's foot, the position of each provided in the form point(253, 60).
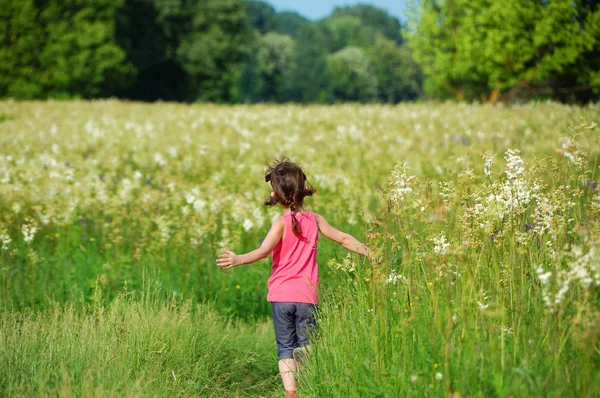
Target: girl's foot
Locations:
point(291, 394)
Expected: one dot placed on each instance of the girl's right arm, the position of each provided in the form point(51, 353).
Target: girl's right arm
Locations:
point(344, 239)
point(228, 259)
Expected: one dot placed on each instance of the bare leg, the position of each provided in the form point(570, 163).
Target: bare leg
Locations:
point(287, 369)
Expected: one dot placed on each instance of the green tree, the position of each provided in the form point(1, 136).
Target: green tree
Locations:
point(375, 18)
point(274, 58)
point(213, 48)
point(288, 23)
point(349, 31)
point(61, 49)
point(185, 50)
point(261, 16)
point(399, 77)
point(21, 40)
point(351, 75)
point(487, 48)
point(308, 78)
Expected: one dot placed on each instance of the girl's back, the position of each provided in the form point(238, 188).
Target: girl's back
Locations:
point(294, 276)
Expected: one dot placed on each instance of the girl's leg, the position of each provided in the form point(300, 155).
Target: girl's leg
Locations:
point(287, 369)
point(284, 321)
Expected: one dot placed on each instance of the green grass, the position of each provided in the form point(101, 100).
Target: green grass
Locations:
point(138, 345)
point(500, 287)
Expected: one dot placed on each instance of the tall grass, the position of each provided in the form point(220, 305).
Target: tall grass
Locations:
point(146, 344)
point(483, 221)
point(506, 304)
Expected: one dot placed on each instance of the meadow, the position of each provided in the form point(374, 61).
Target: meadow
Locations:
point(484, 221)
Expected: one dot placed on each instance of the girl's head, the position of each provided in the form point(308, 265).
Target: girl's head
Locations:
point(289, 187)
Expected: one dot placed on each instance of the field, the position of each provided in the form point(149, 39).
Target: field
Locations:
point(484, 220)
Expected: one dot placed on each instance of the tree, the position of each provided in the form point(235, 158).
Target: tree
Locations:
point(374, 18)
point(351, 75)
point(261, 16)
point(61, 49)
point(348, 31)
point(309, 81)
point(185, 50)
point(274, 58)
point(288, 23)
point(398, 76)
point(213, 47)
point(20, 43)
point(488, 48)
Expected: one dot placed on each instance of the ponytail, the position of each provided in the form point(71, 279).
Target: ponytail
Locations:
point(295, 226)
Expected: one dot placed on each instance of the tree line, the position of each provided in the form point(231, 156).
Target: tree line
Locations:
point(235, 51)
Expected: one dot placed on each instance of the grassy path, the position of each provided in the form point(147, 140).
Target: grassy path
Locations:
point(136, 347)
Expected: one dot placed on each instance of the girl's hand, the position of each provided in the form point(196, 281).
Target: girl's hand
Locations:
point(228, 259)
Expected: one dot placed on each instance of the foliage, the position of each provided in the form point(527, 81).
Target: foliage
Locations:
point(374, 18)
point(61, 49)
point(308, 75)
point(399, 78)
point(479, 49)
point(351, 75)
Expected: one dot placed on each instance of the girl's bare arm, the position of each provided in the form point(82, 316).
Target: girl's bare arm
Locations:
point(344, 239)
point(229, 259)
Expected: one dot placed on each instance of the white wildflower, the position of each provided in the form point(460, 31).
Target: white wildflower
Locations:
point(514, 164)
point(248, 224)
point(172, 151)
point(5, 239)
point(394, 278)
point(488, 161)
point(159, 159)
point(400, 184)
point(29, 230)
point(441, 245)
point(439, 376)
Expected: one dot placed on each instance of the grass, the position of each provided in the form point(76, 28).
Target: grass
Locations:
point(483, 221)
point(138, 345)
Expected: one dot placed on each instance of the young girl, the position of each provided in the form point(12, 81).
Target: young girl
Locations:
point(292, 286)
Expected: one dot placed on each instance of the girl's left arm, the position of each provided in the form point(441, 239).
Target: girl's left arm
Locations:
point(229, 259)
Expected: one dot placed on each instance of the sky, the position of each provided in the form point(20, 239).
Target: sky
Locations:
point(317, 9)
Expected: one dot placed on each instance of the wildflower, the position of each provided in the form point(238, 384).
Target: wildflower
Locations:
point(441, 245)
point(400, 184)
point(394, 278)
point(29, 230)
point(248, 224)
point(414, 378)
point(346, 265)
point(159, 159)
point(488, 161)
point(5, 239)
point(514, 164)
point(438, 376)
point(238, 287)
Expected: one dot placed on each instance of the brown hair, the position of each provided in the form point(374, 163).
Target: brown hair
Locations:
point(289, 185)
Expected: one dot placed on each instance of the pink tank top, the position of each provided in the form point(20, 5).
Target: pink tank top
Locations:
point(294, 277)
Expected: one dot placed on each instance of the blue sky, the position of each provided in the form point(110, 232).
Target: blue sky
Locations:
point(317, 9)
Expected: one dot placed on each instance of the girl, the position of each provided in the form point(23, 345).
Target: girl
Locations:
point(292, 240)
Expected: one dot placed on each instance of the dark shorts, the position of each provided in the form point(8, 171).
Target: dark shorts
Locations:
point(292, 322)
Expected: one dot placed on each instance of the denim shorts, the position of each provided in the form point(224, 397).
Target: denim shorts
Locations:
point(292, 322)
